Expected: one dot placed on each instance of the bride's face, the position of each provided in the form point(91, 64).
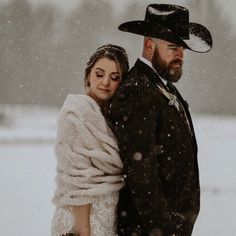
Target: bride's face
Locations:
point(103, 79)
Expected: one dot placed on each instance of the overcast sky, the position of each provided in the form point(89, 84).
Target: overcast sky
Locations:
point(228, 6)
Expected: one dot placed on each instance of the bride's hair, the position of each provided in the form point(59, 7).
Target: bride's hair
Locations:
point(112, 52)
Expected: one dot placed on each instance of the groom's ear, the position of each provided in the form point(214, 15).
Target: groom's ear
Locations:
point(149, 47)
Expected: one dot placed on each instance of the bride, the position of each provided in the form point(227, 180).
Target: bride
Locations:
point(88, 164)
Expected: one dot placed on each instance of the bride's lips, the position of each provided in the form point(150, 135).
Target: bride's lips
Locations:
point(104, 90)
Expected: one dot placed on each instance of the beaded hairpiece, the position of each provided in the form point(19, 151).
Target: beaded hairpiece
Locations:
point(112, 48)
point(109, 48)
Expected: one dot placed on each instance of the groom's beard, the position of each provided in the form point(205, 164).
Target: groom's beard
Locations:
point(171, 71)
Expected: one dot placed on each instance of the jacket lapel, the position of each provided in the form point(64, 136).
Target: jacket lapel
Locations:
point(154, 77)
point(185, 105)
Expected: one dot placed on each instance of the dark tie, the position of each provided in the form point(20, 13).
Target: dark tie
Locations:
point(171, 87)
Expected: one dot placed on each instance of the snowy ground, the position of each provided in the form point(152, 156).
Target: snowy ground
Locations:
point(27, 170)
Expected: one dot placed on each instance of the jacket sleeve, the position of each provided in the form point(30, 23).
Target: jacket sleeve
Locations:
point(135, 118)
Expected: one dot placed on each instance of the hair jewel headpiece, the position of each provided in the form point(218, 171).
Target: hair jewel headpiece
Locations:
point(111, 47)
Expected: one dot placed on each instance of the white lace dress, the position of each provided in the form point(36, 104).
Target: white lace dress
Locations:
point(88, 168)
point(102, 218)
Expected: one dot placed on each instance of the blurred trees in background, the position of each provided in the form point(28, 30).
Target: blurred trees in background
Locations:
point(44, 52)
point(210, 82)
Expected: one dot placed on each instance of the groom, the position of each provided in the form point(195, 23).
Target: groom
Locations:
point(154, 129)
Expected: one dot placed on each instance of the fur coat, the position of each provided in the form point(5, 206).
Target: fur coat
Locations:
point(88, 162)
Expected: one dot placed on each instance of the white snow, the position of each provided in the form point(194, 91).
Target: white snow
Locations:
point(154, 11)
point(197, 43)
point(27, 171)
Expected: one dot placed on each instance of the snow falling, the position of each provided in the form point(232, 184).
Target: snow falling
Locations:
point(44, 48)
point(27, 171)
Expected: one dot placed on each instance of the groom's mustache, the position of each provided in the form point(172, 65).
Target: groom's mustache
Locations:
point(177, 61)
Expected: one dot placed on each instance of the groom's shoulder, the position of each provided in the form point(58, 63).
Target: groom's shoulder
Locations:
point(136, 82)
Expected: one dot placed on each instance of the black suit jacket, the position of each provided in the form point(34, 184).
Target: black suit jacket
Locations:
point(159, 153)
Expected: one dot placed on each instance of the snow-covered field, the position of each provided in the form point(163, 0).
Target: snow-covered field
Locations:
point(27, 170)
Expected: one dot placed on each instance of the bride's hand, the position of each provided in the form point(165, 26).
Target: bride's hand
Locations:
point(82, 232)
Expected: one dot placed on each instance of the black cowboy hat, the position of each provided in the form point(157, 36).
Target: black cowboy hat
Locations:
point(171, 23)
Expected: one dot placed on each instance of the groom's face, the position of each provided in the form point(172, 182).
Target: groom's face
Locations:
point(168, 60)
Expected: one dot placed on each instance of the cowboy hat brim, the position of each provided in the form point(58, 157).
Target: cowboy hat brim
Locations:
point(200, 39)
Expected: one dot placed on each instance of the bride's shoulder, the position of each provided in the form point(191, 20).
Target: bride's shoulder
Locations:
point(80, 104)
